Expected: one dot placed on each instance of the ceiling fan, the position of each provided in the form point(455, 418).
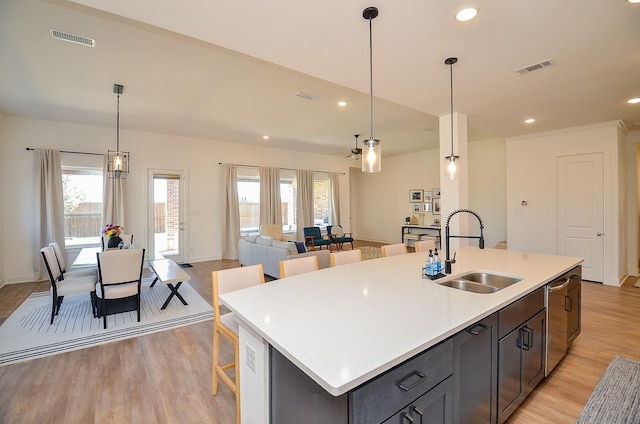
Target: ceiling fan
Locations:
point(356, 152)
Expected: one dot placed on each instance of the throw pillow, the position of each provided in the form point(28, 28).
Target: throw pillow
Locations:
point(300, 246)
point(337, 231)
point(250, 238)
point(264, 240)
point(291, 249)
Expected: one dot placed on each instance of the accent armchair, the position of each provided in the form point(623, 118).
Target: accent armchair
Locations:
point(339, 236)
point(313, 238)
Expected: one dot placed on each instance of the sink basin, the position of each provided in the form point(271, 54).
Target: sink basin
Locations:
point(469, 286)
point(480, 282)
point(494, 280)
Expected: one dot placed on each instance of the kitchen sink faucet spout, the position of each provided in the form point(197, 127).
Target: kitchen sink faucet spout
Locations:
point(448, 261)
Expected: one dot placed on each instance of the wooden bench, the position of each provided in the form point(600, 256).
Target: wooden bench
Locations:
point(169, 273)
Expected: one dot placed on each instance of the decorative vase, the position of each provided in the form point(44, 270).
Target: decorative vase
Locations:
point(114, 242)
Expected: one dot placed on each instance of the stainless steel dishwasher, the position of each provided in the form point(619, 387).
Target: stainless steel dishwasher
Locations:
point(563, 315)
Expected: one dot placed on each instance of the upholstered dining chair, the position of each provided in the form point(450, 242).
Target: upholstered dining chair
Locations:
point(291, 267)
point(313, 238)
point(339, 236)
point(226, 281)
point(61, 288)
point(424, 245)
point(345, 257)
point(119, 276)
point(393, 249)
point(66, 273)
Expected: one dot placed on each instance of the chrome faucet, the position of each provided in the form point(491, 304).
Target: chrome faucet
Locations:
point(448, 261)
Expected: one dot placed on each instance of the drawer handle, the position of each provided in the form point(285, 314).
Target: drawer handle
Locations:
point(407, 417)
point(420, 376)
point(475, 331)
point(417, 411)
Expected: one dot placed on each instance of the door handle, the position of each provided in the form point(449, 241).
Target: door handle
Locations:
point(570, 301)
point(599, 234)
point(407, 417)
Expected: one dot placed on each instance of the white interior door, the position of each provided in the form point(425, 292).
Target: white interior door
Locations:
point(166, 215)
point(580, 212)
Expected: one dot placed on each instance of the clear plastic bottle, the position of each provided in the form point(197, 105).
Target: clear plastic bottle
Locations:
point(437, 264)
point(430, 264)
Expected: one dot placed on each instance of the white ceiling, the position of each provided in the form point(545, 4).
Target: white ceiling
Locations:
point(229, 70)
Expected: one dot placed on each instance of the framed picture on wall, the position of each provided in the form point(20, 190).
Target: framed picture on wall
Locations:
point(416, 208)
point(426, 207)
point(427, 196)
point(436, 193)
point(436, 206)
point(415, 195)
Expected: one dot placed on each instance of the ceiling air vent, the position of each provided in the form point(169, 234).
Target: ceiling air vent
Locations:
point(533, 67)
point(72, 38)
point(305, 96)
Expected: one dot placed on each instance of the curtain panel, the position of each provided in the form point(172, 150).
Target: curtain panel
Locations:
point(304, 217)
point(334, 199)
point(230, 213)
point(114, 201)
point(270, 203)
point(49, 206)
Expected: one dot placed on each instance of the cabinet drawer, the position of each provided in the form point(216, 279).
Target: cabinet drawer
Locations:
point(380, 398)
point(510, 317)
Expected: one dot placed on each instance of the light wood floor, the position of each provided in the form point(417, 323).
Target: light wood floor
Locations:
point(166, 377)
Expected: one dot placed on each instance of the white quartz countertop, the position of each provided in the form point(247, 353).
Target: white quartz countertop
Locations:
point(345, 325)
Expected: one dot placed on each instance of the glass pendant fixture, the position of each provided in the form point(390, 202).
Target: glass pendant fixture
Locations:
point(118, 161)
point(451, 167)
point(371, 148)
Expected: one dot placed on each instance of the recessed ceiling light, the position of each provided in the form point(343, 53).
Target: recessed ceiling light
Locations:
point(342, 103)
point(529, 120)
point(466, 14)
point(635, 99)
point(265, 137)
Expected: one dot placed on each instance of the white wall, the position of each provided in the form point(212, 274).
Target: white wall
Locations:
point(198, 157)
point(383, 199)
point(531, 177)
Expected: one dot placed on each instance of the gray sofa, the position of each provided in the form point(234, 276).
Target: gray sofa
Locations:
point(269, 252)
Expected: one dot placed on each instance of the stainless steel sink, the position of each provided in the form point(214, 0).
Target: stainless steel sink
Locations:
point(480, 282)
point(494, 280)
point(469, 286)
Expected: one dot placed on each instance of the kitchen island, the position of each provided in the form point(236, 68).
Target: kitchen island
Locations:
point(344, 326)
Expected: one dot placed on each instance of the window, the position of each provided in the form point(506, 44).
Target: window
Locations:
point(82, 189)
point(321, 199)
point(249, 200)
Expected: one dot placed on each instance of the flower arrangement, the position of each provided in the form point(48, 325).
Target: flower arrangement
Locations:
point(112, 230)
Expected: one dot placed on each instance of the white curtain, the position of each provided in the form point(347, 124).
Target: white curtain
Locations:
point(304, 216)
point(49, 206)
point(230, 213)
point(114, 202)
point(270, 203)
point(334, 199)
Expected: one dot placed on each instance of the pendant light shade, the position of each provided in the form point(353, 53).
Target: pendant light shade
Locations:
point(371, 148)
point(451, 167)
point(118, 161)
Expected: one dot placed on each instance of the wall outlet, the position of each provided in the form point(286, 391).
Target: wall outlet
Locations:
point(251, 358)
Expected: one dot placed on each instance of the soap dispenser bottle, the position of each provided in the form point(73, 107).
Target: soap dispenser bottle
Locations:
point(430, 264)
point(437, 264)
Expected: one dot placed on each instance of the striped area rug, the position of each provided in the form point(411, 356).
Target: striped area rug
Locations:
point(616, 398)
point(26, 334)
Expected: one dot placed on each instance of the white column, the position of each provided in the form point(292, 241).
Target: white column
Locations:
point(455, 193)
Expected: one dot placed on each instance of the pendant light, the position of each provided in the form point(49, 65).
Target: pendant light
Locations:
point(118, 163)
point(451, 168)
point(371, 149)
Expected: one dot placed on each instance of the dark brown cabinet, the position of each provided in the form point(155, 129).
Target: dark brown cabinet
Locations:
point(521, 352)
point(572, 304)
point(475, 373)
